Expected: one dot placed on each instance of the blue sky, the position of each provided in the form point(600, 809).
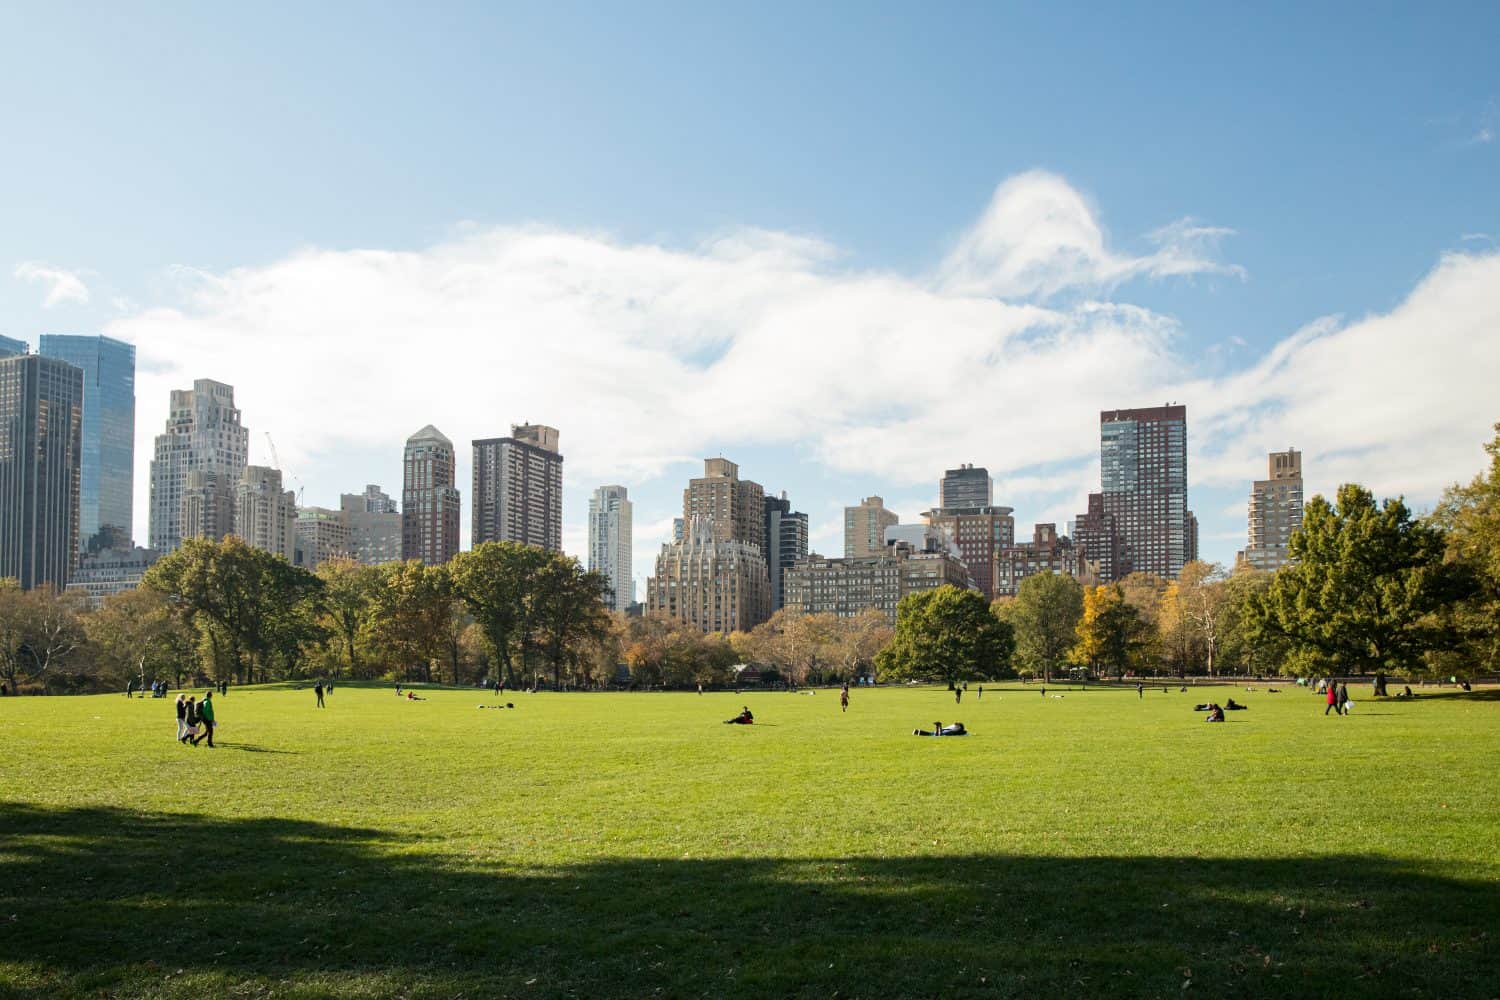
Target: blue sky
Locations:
point(219, 183)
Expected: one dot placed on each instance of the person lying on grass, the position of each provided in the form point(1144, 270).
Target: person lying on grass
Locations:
point(1233, 706)
point(412, 696)
point(743, 719)
point(938, 729)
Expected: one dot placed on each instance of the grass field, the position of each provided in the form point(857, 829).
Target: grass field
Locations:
point(629, 845)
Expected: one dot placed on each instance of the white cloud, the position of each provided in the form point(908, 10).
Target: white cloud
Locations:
point(62, 286)
point(649, 357)
point(1039, 236)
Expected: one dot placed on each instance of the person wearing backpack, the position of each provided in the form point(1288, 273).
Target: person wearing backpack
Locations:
point(206, 714)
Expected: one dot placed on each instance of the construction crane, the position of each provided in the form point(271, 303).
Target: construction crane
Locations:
point(276, 462)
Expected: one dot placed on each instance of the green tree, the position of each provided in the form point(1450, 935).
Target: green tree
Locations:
point(412, 613)
point(947, 634)
point(1370, 588)
point(1470, 516)
point(568, 611)
point(1045, 614)
point(496, 581)
point(250, 606)
point(348, 592)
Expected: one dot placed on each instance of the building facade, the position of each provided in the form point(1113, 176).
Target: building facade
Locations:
point(966, 487)
point(610, 542)
point(1143, 461)
point(430, 505)
point(10, 347)
point(1047, 552)
point(846, 587)
point(41, 444)
point(374, 526)
point(786, 544)
point(207, 505)
point(979, 533)
point(265, 515)
point(106, 492)
point(1275, 511)
point(322, 535)
point(203, 432)
point(713, 583)
point(734, 506)
point(108, 572)
point(517, 493)
point(864, 528)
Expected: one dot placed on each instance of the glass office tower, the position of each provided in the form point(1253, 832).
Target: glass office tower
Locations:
point(107, 486)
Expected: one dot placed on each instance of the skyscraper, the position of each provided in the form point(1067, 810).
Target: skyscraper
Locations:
point(1143, 457)
point(518, 488)
point(41, 444)
point(735, 506)
point(786, 544)
point(10, 348)
point(610, 543)
point(207, 505)
point(265, 515)
point(429, 500)
point(203, 432)
point(980, 533)
point(1275, 511)
point(965, 487)
point(107, 485)
point(864, 528)
point(322, 534)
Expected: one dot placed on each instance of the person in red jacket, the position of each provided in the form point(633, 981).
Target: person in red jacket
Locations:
point(1333, 697)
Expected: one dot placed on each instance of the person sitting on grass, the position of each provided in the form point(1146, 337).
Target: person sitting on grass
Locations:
point(1406, 692)
point(412, 696)
point(1215, 714)
point(745, 718)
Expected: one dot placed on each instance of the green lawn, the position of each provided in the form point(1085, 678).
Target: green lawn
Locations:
point(630, 845)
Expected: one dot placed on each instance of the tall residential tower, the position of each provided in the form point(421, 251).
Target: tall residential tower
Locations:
point(610, 543)
point(429, 499)
point(1275, 511)
point(518, 488)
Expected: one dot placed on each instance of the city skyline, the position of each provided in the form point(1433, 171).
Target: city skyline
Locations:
point(886, 258)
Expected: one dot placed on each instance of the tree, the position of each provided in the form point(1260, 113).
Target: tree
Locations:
point(411, 614)
point(947, 634)
point(1111, 633)
point(250, 607)
point(860, 641)
point(568, 610)
point(1045, 614)
point(40, 632)
point(1242, 646)
point(1370, 589)
point(1470, 516)
point(348, 592)
point(496, 581)
point(136, 634)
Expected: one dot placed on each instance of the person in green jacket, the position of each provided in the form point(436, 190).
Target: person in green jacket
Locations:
point(206, 716)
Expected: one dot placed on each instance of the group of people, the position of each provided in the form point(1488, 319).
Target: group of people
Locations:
point(1336, 696)
point(195, 719)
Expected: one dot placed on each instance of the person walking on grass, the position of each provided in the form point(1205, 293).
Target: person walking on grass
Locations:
point(1343, 700)
point(1140, 690)
point(318, 690)
point(189, 721)
point(1331, 699)
point(206, 716)
point(181, 716)
point(958, 695)
point(844, 698)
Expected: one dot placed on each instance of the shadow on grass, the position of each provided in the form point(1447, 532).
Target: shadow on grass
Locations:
point(252, 748)
point(118, 903)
